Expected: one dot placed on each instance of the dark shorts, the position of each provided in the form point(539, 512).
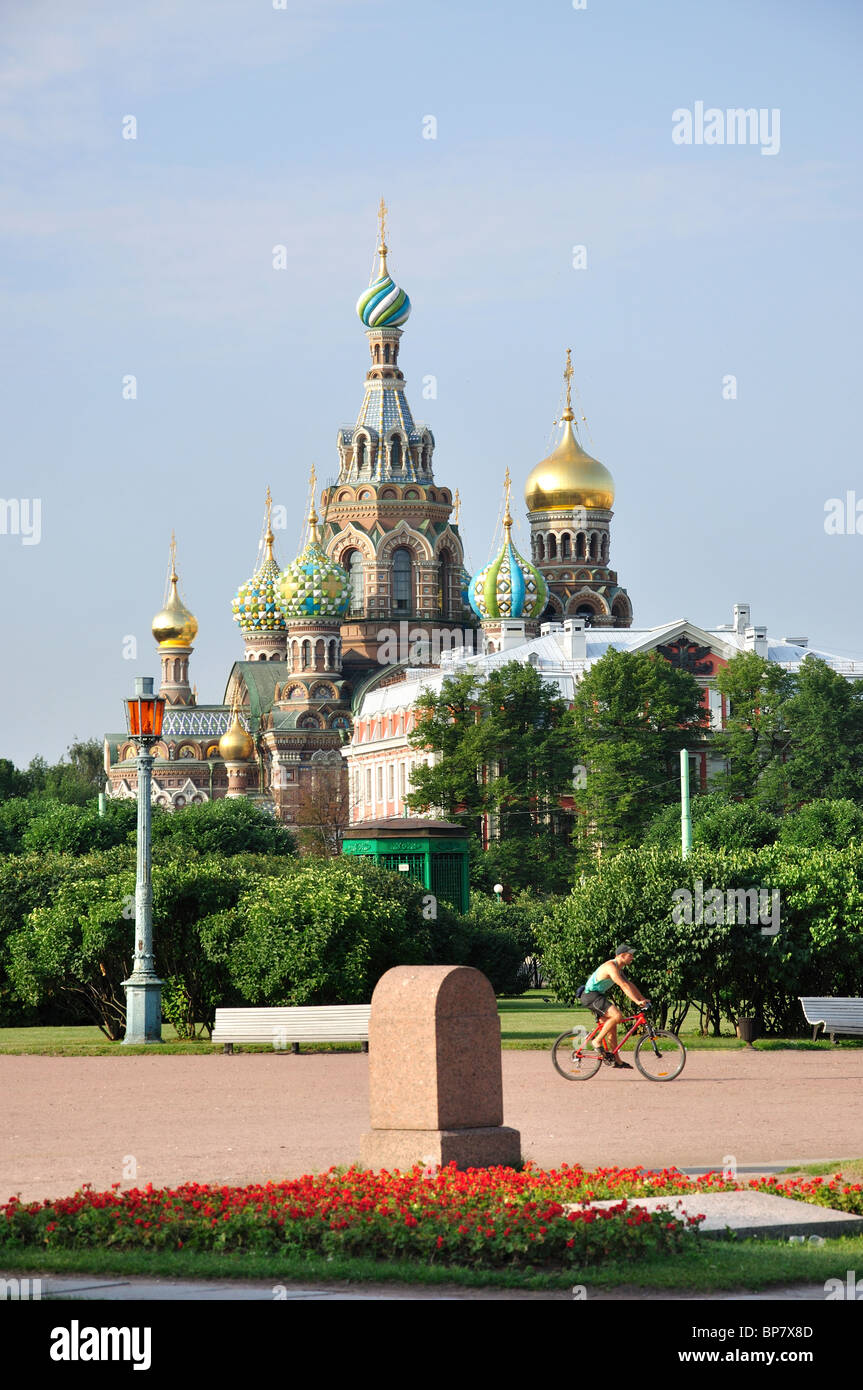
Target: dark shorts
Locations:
point(597, 1001)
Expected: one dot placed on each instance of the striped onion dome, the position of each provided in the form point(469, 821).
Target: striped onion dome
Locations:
point(384, 304)
point(509, 587)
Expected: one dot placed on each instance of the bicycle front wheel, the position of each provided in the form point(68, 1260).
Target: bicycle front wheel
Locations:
point(660, 1056)
point(572, 1058)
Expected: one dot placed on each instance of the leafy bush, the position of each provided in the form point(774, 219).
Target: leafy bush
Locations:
point(322, 935)
point(717, 823)
point(727, 968)
point(229, 826)
point(76, 950)
point(68, 829)
point(822, 823)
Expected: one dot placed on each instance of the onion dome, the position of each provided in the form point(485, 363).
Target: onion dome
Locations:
point(256, 607)
point(174, 625)
point(465, 587)
point(509, 587)
point(383, 304)
point(314, 586)
point(237, 745)
point(569, 477)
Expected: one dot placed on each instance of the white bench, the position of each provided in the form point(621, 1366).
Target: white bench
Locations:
point(280, 1026)
point(834, 1015)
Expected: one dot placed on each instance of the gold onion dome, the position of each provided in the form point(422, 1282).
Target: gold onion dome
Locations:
point(174, 625)
point(569, 477)
point(255, 607)
point(237, 744)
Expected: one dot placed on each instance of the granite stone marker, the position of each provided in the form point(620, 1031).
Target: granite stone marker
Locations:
point(435, 1080)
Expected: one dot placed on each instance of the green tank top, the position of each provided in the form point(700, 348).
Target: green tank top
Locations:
point(602, 986)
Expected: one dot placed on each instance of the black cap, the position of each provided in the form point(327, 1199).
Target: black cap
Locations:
point(624, 946)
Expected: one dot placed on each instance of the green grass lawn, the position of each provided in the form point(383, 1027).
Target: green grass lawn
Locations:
point(710, 1265)
point(526, 1023)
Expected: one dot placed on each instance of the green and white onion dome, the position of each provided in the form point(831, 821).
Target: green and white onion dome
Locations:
point(384, 304)
point(314, 586)
point(256, 607)
point(509, 587)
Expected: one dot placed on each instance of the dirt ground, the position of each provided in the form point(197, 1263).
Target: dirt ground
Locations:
point(250, 1117)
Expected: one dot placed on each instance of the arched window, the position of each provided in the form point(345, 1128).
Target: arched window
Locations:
point(552, 548)
point(540, 548)
point(579, 546)
point(386, 352)
point(361, 453)
point(396, 453)
point(402, 585)
point(565, 546)
point(353, 563)
point(445, 581)
point(593, 545)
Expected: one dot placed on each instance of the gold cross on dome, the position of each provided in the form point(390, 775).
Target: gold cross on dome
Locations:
point(568, 374)
point(173, 555)
point(382, 224)
point(457, 506)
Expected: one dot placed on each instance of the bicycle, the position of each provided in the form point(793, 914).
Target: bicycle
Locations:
point(659, 1054)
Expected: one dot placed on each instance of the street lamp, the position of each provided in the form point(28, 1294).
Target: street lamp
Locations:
point(144, 714)
point(498, 888)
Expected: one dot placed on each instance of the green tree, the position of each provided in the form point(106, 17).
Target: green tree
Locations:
point(756, 691)
point(75, 779)
point(12, 782)
point(717, 823)
point(229, 826)
point(632, 714)
point(822, 756)
point(505, 750)
point(324, 934)
point(823, 823)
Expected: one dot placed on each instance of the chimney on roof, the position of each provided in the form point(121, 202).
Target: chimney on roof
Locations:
point(797, 641)
point(574, 639)
point(755, 640)
point(511, 634)
point(741, 618)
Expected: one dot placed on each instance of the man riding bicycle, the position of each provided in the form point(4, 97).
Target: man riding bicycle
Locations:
point(595, 997)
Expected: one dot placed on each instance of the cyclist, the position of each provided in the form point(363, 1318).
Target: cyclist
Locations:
point(595, 997)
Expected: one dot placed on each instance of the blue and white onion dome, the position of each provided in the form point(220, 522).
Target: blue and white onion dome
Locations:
point(510, 586)
point(465, 587)
point(384, 304)
point(314, 586)
point(256, 606)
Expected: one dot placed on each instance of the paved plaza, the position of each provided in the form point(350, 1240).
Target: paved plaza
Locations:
point(250, 1117)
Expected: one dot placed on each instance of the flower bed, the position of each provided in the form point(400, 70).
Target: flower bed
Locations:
point(488, 1217)
point(483, 1217)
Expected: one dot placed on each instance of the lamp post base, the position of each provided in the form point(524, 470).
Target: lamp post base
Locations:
point(143, 1011)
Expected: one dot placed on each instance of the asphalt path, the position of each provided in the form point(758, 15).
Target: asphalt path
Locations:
point(253, 1117)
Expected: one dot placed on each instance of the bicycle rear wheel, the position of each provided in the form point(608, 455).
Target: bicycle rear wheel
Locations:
point(660, 1056)
point(572, 1058)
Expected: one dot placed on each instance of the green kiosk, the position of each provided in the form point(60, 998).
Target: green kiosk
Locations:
point(434, 852)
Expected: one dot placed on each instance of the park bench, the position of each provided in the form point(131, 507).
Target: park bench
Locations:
point(280, 1026)
point(836, 1015)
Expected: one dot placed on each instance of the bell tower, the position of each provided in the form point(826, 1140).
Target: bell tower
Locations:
point(569, 498)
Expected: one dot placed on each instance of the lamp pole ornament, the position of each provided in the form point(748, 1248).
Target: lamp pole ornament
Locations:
point(144, 714)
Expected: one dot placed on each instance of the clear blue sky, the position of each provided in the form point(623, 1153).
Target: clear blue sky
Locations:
point(259, 127)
